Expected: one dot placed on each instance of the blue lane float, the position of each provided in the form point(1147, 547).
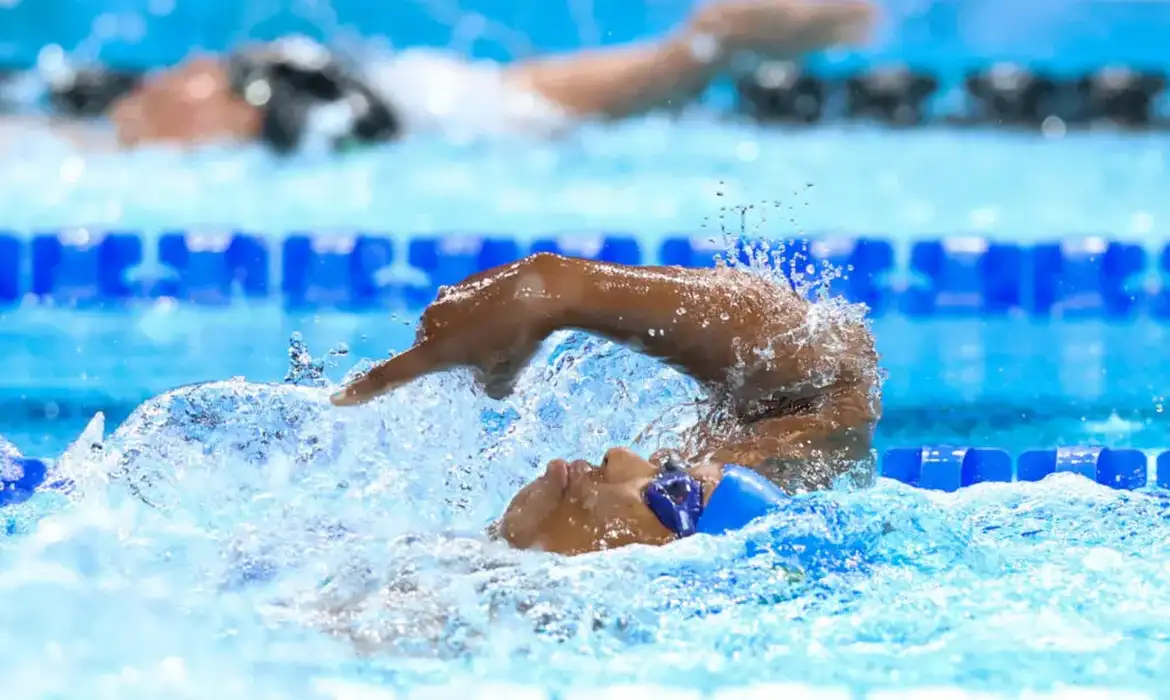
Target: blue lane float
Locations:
point(1162, 470)
point(213, 268)
point(84, 267)
point(1160, 303)
point(946, 468)
point(1119, 469)
point(11, 261)
point(963, 276)
point(943, 468)
point(1089, 277)
point(334, 271)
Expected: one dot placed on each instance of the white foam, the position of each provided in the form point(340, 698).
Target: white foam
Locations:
point(1085, 694)
point(787, 691)
point(930, 693)
point(483, 691)
point(632, 692)
point(338, 689)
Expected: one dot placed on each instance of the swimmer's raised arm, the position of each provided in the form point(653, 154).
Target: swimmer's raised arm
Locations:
point(727, 329)
point(795, 385)
point(619, 81)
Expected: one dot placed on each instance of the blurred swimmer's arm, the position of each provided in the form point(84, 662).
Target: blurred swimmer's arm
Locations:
point(622, 81)
point(625, 80)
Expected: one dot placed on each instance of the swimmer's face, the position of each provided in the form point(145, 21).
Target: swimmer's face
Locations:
point(576, 507)
point(190, 103)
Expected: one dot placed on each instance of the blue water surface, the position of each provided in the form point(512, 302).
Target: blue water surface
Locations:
point(245, 539)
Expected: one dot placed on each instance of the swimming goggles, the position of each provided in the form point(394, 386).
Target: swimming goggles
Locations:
point(676, 499)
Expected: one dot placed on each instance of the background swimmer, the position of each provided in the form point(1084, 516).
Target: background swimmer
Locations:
point(794, 394)
point(292, 92)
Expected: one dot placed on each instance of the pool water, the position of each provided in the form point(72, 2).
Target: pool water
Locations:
point(247, 540)
point(967, 382)
point(649, 177)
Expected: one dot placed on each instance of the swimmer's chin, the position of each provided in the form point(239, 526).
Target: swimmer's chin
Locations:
point(522, 523)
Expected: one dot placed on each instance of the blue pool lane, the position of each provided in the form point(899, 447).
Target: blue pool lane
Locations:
point(963, 276)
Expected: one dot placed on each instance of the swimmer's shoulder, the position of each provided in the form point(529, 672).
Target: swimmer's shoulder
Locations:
point(440, 91)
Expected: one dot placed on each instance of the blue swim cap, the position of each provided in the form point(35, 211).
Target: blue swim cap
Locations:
point(742, 495)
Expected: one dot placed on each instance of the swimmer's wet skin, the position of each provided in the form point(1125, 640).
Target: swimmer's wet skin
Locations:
point(795, 393)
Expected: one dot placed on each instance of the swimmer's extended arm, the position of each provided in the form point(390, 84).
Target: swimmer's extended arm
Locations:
point(619, 81)
point(739, 334)
point(731, 330)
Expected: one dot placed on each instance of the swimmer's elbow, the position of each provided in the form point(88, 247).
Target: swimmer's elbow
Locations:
point(544, 263)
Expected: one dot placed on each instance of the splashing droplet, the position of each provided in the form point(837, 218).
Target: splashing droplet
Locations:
point(303, 368)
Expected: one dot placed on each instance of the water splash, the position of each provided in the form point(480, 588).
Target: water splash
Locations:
point(254, 536)
point(754, 240)
point(244, 540)
point(303, 368)
point(7, 449)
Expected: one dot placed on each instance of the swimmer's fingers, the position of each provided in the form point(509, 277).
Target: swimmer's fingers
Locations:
point(497, 375)
point(391, 374)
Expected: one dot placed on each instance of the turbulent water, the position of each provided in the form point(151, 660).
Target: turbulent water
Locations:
point(252, 541)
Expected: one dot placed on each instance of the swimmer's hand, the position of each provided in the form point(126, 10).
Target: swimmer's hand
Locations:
point(492, 323)
point(785, 28)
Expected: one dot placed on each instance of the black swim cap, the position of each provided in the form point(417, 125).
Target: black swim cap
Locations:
point(301, 88)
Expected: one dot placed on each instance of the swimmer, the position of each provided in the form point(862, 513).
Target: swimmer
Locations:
point(292, 93)
point(795, 394)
